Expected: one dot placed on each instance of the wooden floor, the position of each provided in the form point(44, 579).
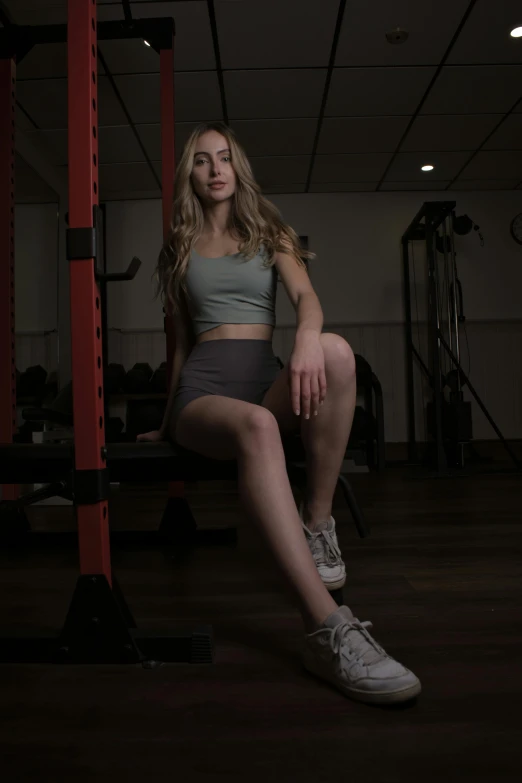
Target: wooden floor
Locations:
point(440, 578)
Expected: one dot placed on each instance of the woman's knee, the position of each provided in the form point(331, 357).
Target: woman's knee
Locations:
point(258, 427)
point(338, 356)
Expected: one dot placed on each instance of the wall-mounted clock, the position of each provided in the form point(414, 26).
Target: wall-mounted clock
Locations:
point(516, 228)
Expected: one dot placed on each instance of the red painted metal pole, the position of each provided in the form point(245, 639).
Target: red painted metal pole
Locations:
point(167, 165)
point(176, 488)
point(7, 260)
point(86, 325)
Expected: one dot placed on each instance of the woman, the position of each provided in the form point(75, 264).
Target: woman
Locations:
point(230, 399)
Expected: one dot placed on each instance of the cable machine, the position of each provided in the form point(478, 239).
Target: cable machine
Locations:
point(448, 415)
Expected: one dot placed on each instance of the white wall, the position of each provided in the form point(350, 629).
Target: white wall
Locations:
point(36, 267)
point(357, 273)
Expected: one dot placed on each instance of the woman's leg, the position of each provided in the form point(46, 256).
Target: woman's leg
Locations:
point(225, 428)
point(324, 436)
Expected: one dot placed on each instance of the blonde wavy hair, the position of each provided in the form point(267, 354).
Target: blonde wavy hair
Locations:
point(254, 221)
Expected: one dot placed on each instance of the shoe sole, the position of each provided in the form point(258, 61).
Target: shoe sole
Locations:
point(369, 697)
point(335, 585)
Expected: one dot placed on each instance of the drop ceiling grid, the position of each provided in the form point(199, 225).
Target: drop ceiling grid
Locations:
point(274, 55)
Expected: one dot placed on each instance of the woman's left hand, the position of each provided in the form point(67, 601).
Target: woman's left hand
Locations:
point(307, 378)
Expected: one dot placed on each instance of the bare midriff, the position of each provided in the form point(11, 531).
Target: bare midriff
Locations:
point(237, 332)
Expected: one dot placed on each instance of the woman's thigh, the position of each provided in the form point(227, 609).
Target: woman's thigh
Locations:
point(217, 426)
point(277, 401)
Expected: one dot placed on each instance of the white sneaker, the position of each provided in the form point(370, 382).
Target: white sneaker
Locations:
point(343, 653)
point(326, 553)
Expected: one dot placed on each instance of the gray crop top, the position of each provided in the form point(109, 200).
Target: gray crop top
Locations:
point(230, 290)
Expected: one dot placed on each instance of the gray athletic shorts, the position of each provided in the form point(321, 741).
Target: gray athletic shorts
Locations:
point(241, 369)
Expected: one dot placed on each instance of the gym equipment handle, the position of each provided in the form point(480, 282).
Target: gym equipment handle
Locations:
point(129, 274)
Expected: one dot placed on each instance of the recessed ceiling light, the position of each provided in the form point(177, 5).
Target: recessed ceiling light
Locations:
point(397, 36)
point(146, 42)
point(516, 32)
point(428, 168)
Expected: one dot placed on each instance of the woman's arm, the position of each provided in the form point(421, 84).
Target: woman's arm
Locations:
point(180, 357)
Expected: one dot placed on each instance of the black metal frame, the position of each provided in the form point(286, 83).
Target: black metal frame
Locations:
point(424, 227)
point(433, 214)
point(18, 40)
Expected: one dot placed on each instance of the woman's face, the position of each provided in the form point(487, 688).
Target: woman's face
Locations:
point(213, 177)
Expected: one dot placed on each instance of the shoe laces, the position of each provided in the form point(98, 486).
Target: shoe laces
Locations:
point(324, 548)
point(353, 641)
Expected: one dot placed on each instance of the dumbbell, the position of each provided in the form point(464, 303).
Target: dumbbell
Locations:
point(137, 380)
point(31, 383)
point(114, 379)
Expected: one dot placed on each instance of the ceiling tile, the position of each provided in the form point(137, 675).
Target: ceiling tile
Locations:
point(141, 96)
point(407, 166)
point(508, 135)
point(361, 134)
point(276, 137)
point(108, 11)
point(274, 94)
point(52, 143)
point(376, 91)
point(474, 90)
point(484, 184)
point(132, 195)
point(44, 61)
point(196, 96)
point(110, 111)
point(36, 12)
point(22, 121)
point(30, 188)
point(258, 137)
point(113, 9)
point(270, 172)
point(449, 131)
point(151, 138)
point(45, 101)
point(485, 37)
point(342, 187)
point(349, 168)
point(494, 165)
point(300, 188)
point(126, 177)
point(275, 33)
point(430, 26)
point(118, 144)
point(440, 185)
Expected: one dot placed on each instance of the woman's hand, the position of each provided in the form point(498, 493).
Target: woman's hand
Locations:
point(151, 437)
point(307, 379)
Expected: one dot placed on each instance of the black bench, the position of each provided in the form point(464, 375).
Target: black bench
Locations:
point(99, 627)
point(52, 464)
